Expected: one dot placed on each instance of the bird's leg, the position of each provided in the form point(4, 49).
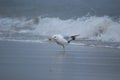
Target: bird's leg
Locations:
point(63, 48)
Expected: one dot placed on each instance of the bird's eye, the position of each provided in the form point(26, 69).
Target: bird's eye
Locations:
point(54, 37)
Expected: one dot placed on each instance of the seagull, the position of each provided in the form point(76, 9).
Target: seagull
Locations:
point(60, 40)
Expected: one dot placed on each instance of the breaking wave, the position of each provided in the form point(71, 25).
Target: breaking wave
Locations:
point(93, 28)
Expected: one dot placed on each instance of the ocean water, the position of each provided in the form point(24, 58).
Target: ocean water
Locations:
point(26, 23)
point(58, 8)
point(33, 61)
point(97, 22)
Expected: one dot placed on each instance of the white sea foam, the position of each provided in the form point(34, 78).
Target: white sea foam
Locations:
point(93, 28)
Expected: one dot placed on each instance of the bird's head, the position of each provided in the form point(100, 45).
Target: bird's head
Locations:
point(57, 37)
point(54, 37)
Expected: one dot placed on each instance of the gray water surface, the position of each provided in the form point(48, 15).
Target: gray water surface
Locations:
point(59, 8)
point(34, 61)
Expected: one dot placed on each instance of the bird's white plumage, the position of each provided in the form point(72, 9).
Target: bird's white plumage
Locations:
point(60, 40)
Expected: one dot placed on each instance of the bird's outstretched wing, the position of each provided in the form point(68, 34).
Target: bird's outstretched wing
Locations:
point(71, 38)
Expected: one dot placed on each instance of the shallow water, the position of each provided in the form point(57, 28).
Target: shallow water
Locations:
point(45, 61)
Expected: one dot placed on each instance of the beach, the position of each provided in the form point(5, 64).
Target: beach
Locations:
point(27, 25)
point(47, 61)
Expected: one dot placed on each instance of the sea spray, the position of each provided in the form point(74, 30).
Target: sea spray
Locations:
point(93, 27)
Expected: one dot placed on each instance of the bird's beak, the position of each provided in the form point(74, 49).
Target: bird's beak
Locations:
point(50, 39)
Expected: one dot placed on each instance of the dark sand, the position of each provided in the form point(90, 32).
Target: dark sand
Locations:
point(46, 61)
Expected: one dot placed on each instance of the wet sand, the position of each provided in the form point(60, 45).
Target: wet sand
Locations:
point(47, 61)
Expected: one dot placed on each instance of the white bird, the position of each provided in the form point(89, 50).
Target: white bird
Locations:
point(60, 40)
